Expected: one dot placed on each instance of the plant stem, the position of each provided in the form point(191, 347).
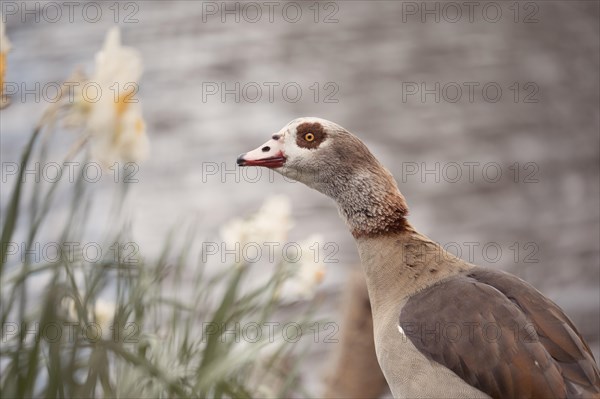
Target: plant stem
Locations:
point(13, 207)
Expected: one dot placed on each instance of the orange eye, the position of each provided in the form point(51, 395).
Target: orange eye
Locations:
point(309, 137)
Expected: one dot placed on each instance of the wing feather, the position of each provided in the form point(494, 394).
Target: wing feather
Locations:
point(512, 341)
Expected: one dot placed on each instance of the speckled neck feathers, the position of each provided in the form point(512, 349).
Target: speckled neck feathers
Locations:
point(372, 208)
point(369, 201)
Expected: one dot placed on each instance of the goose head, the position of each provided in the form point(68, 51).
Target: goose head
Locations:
point(313, 151)
point(328, 158)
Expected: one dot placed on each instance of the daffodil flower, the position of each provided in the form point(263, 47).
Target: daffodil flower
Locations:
point(109, 109)
point(308, 273)
point(270, 224)
point(104, 314)
point(101, 312)
point(5, 47)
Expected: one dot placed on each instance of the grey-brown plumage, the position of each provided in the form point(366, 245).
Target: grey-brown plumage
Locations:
point(491, 318)
point(512, 341)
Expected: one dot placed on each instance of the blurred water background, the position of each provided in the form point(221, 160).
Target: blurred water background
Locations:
point(367, 56)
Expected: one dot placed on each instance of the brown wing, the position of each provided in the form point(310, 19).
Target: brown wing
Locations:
point(555, 330)
point(501, 336)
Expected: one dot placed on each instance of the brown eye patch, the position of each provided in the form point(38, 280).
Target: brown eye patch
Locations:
point(310, 135)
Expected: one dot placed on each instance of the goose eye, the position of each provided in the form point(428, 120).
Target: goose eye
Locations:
point(309, 137)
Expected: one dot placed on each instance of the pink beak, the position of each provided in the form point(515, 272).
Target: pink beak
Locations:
point(268, 155)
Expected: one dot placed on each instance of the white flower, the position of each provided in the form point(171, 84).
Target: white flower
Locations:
point(4, 42)
point(104, 314)
point(270, 224)
point(101, 312)
point(112, 116)
point(116, 63)
point(234, 231)
point(69, 309)
point(308, 272)
point(273, 221)
point(5, 47)
point(118, 137)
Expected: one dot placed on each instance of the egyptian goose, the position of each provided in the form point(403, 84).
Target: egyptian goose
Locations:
point(442, 327)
